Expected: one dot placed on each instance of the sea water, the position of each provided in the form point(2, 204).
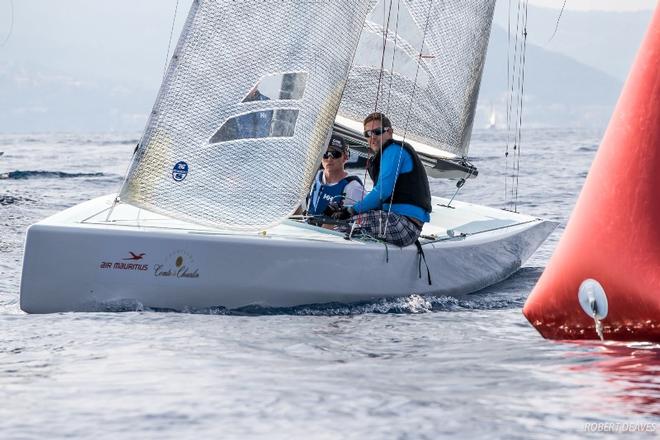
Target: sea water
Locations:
point(407, 368)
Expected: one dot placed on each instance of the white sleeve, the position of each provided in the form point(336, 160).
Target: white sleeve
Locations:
point(354, 193)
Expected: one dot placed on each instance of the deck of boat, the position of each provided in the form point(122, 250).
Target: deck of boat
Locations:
point(447, 223)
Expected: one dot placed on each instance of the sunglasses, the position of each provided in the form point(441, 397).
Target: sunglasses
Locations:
point(375, 132)
point(334, 154)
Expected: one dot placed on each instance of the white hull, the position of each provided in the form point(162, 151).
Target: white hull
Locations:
point(78, 261)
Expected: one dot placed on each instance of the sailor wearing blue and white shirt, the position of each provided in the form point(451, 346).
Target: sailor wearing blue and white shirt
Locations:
point(332, 184)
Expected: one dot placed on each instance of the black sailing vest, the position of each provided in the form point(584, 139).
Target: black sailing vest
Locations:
point(412, 187)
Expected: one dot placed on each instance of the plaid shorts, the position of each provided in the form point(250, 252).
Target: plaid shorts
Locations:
point(400, 230)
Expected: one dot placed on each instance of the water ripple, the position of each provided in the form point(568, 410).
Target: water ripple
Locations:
point(19, 175)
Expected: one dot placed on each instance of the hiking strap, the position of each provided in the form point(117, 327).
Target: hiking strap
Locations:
point(420, 254)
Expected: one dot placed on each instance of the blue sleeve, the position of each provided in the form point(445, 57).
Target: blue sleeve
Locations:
point(394, 157)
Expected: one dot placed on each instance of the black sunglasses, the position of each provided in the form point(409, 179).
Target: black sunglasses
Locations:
point(375, 132)
point(334, 154)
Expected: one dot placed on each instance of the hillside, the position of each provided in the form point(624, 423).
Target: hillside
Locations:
point(75, 65)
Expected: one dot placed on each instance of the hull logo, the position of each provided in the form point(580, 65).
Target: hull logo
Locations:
point(178, 264)
point(120, 265)
point(135, 256)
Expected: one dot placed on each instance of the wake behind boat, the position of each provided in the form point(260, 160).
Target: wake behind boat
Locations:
point(204, 217)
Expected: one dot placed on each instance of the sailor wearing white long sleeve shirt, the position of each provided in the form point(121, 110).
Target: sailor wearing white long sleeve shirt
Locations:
point(333, 185)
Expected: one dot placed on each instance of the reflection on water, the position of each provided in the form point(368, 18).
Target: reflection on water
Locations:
point(630, 370)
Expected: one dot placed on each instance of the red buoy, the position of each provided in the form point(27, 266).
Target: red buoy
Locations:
point(607, 262)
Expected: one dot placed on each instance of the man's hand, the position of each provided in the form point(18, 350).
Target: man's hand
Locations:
point(344, 214)
point(331, 209)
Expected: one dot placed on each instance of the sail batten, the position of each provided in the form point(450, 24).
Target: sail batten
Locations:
point(244, 110)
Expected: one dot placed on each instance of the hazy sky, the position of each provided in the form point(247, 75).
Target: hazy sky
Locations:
point(605, 5)
point(98, 64)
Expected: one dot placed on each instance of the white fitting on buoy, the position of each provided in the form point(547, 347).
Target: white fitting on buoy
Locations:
point(593, 299)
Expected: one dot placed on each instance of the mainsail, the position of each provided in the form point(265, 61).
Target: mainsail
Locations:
point(245, 109)
point(420, 62)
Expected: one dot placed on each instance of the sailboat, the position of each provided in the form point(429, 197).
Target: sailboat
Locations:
point(492, 119)
point(251, 96)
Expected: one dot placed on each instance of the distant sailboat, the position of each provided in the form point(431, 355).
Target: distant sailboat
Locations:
point(492, 119)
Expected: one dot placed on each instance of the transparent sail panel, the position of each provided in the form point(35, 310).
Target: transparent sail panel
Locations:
point(279, 86)
point(240, 122)
point(259, 124)
point(431, 98)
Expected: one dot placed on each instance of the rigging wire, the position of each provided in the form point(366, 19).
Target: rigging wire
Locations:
point(137, 147)
point(410, 104)
point(557, 24)
point(11, 23)
point(169, 42)
point(521, 94)
point(511, 96)
point(515, 101)
point(386, 22)
point(386, 29)
point(396, 40)
point(508, 106)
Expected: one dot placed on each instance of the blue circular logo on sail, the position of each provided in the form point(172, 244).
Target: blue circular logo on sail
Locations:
point(180, 171)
